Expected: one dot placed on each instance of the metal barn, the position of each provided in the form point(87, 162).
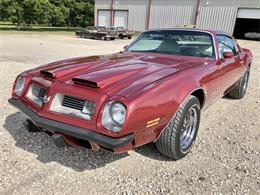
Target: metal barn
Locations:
point(232, 16)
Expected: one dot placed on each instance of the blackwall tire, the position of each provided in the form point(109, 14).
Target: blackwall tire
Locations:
point(171, 141)
point(239, 91)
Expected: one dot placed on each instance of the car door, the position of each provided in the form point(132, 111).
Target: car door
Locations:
point(229, 68)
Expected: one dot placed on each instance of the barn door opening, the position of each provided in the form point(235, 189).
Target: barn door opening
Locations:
point(247, 24)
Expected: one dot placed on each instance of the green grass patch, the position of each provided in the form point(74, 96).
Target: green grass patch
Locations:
point(40, 28)
point(42, 33)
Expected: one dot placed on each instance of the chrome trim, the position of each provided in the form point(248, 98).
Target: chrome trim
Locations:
point(179, 108)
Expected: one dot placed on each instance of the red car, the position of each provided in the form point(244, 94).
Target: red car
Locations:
point(153, 91)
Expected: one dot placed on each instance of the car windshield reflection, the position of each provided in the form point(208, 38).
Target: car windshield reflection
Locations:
point(176, 42)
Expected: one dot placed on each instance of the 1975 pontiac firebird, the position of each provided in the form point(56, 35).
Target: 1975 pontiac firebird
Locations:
point(153, 91)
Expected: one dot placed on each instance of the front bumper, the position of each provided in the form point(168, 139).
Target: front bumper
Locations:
point(71, 130)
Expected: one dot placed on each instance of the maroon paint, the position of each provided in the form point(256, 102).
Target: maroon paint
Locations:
point(150, 85)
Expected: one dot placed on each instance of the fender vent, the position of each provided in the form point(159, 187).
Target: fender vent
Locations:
point(85, 82)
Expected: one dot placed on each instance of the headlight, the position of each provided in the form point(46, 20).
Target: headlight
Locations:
point(114, 116)
point(19, 85)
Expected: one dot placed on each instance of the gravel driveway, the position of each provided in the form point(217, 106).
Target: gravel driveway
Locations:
point(225, 158)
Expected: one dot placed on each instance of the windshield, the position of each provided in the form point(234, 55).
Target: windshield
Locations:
point(177, 42)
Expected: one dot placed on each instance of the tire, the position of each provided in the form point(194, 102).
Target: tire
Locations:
point(171, 142)
point(121, 36)
point(112, 39)
point(239, 91)
point(129, 37)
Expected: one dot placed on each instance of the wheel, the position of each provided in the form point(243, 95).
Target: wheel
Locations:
point(240, 88)
point(103, 38)
point(180, 133)
point(112, 39)
point(129, 37)
point(121, 36)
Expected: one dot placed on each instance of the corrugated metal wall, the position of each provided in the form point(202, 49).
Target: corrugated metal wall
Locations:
point(213, 14)
point(100, 4)
point(221, 14)
point(173, 12)
point(137, 11)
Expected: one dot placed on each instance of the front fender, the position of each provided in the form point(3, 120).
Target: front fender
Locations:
point(158, 101)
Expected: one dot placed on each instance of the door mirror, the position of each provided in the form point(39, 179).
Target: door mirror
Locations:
point(228, 54)
point(125, 46)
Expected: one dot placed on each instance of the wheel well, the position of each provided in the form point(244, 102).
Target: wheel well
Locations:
point(199, 93)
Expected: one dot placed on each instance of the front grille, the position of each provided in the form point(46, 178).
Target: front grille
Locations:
point(36, 93)
point(73, 102)
point(74, 106)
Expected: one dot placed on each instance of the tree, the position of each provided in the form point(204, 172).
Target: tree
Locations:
point(36, 11)
point(58, 15)
point(11, 10)
point(52, 12)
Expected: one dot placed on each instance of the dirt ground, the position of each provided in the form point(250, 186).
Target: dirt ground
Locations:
point(224, 159)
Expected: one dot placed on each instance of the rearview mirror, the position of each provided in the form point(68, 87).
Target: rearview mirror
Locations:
point(228, 54)
point(125, 46)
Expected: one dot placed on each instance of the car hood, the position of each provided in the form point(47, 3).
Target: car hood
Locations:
point(119, 74)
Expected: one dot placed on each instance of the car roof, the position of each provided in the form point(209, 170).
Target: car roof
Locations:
point(214, 32)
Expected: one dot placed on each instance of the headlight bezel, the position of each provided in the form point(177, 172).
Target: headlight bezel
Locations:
point(108, 120)
point(19, 85)
point(112, 114)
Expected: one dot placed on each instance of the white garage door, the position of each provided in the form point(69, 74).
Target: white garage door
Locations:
point(121, 18)
point(104, 18)
point(248, 13)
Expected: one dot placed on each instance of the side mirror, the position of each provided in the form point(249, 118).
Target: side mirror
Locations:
point(125, 46)
point(228, 54)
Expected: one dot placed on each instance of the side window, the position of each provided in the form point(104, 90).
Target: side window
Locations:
point(226, 44)
point(231, 43)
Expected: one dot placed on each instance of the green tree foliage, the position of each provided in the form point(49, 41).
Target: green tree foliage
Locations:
point(11, 11)
point(52, 12)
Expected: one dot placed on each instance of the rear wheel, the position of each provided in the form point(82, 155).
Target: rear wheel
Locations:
point(240, 88)
point(180, 133)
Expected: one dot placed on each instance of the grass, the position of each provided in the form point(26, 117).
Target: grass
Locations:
point(7, 28)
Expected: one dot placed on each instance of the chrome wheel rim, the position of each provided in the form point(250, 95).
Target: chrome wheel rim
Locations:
point(189, 128)
point(246, 81)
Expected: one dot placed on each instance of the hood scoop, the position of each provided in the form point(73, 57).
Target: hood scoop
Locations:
point(85, 82)
point(46, 74)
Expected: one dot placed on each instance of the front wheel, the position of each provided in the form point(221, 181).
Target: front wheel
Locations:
point(180, 133)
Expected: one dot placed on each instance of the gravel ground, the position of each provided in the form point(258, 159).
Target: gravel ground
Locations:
point(225, 158)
